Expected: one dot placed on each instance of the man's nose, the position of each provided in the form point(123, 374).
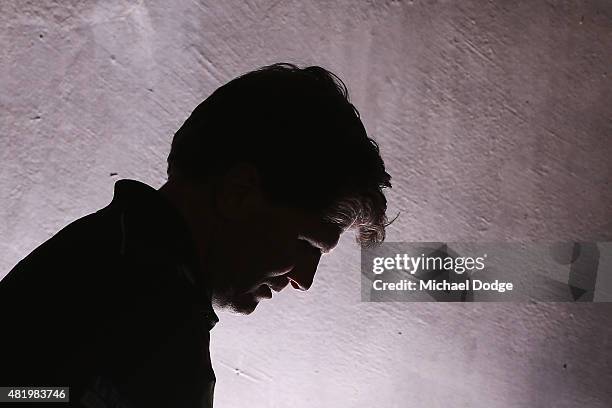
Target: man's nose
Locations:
point(307, 260)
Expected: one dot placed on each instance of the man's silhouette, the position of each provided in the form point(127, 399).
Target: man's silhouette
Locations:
point(263, 177)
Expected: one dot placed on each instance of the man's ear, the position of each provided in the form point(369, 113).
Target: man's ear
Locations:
point(239, 193)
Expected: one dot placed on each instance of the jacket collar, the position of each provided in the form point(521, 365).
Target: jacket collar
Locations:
point(152, 226)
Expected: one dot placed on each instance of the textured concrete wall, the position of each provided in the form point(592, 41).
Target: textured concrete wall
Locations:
point(495, 120)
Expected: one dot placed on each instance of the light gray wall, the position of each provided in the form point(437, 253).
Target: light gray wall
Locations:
point(495, 120)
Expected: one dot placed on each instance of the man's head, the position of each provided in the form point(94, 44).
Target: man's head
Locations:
point(285, 166)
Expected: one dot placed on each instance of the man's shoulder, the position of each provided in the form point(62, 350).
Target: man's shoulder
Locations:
point(95, 241)
point(53, 292)
point(84, 243)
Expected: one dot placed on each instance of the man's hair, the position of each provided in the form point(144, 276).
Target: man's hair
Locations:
point(299, 129)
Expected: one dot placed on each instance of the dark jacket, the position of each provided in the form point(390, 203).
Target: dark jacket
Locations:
point(110, 307)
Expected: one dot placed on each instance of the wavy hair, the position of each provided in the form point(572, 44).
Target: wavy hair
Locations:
point(298, 127)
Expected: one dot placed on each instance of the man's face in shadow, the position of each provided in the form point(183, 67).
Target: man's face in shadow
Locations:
point(258, 247)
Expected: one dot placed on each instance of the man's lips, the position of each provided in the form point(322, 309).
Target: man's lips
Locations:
point(278, 284)
point(264, 291)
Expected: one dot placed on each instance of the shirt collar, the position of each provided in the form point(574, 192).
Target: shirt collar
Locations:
point(150, 222)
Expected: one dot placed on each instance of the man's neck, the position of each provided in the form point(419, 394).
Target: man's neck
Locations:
point(193, 203)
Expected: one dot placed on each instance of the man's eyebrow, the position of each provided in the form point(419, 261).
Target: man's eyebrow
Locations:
point(325, 238)
point(317, 244)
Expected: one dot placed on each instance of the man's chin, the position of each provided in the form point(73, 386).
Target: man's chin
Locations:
point(244, 305)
